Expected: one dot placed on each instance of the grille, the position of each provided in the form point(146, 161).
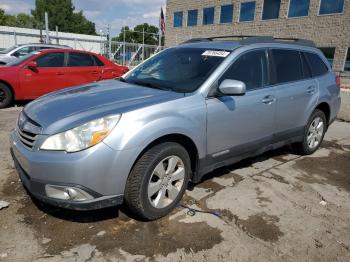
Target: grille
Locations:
point(27, 138)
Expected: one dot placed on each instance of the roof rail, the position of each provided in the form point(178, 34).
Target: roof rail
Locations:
point(252, 39)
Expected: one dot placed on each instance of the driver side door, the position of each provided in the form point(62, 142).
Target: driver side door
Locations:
point(239, 125)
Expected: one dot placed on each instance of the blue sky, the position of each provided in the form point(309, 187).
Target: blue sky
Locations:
point(103, 12)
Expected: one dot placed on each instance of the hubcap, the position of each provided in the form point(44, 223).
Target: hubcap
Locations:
point(166, 182)
point(315, 133)
point(2, 96)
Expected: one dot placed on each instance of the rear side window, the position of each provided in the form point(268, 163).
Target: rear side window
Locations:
point(51, 60)
point(250, 68)
point(318, 67)
point(287, 66)
point(98, 62)
point(79, 59)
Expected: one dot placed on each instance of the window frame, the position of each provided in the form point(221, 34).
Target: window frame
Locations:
point(346, 55)
point(319, 9)
point(262, 12)
point(182, 18)
point(207, 8)
point(296, 17)
point(240, 11)
point(322, 59)
point(233, 9)
point(188, 16)
point(65, 59)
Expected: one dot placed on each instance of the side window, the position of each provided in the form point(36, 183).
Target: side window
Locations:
point(23, 51)
point(79, 59)
point(98, 62)
point(250, 68)
point(51, 60)
point(317, 65)
point(306, 68)
point(287, 65)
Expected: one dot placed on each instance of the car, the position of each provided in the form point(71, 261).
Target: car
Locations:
point(182, 113)
point(45, 71)
point(14, 52)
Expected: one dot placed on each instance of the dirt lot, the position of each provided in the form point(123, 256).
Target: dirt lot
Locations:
point(276, 207)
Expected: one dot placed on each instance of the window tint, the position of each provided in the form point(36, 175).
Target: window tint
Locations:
point(328, 53)
point(192, 17)
point(331, 7)
point(80, 59)
point(226, 15)
point(98, 62)
point(250, 68)
point(347, 61)
point(51, 60)
point(287, 64)
point(178, 19)
point(306, 68)
point(208, 16)
point(298, 8)
point(317, 65)
point(271, 9)
point(247, 12)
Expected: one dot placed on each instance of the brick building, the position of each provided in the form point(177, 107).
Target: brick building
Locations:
point(326, 22)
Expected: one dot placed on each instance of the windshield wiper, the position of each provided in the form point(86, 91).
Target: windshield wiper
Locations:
point(149, 84)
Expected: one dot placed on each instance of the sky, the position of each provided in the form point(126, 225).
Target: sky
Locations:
point(102, 12)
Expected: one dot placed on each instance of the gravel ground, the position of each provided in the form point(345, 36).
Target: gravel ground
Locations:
point(276, 207)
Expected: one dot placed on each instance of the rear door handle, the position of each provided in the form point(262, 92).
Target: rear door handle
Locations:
point(268, 100)
point(311, 90)
point(59, 74)
point(94, 72)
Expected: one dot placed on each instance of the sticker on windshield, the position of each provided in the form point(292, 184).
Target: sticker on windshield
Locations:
point(216, 53)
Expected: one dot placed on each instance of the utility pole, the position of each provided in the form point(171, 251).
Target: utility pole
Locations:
point(57, 40)
point(109, 41)
point(124, 45)
point(47, 39)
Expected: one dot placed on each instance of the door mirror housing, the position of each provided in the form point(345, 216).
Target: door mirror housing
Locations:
point(232, 87)
point(32, 65)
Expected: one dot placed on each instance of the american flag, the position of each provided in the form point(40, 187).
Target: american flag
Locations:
point(162, 21)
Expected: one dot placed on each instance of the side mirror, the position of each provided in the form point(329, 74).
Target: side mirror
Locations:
point(232, 87)
point(32, 65)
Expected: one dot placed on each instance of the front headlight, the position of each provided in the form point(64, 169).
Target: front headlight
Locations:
point(83, 136)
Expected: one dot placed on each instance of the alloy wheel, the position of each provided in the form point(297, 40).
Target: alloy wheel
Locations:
point(315, 133)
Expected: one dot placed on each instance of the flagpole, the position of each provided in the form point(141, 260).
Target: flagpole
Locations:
point(160, 28)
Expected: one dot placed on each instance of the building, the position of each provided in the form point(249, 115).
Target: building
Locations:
point(326, 22)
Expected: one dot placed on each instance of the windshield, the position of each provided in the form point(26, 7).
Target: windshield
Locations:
point(8, 50)
point(22, 59)
point(177, 69)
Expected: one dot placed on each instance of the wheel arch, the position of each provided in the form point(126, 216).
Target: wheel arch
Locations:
point(9, 86)
point(326, 109)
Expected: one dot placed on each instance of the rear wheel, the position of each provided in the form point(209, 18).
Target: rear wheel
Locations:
point(6, 96)
point(158, 181)
point(313, 134)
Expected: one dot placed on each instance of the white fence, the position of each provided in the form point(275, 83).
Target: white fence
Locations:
point(10, 36)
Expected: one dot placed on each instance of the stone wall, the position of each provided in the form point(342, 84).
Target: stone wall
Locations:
point(324, 30)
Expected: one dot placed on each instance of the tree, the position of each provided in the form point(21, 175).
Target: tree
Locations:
point(61, 13)
point(135, 35)
point(20, 20)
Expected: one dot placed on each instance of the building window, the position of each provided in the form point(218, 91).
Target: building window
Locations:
point(331, 7)
point(347, 61)
point(192, 17)
point(178, 19)
point(226, 15)
point(271, 9)
point(298, 8)
point(328, 53)
point(247, 12)
point(208, 16)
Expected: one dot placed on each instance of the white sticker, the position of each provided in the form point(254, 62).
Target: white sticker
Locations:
point(216, 53)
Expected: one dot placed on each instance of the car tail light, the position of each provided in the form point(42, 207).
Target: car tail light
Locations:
point(337, 80)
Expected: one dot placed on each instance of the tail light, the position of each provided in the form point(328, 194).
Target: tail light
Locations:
point(337, 80)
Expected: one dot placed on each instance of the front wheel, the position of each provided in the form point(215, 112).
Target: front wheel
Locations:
point(6, 96)
point(158, 181)
point(313, 134)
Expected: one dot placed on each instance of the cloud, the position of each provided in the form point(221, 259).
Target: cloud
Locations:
point(152, 14)
point(90, 14)
point(5, 7)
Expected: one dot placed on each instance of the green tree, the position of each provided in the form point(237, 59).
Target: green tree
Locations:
point(61, 13)
point(135, 35)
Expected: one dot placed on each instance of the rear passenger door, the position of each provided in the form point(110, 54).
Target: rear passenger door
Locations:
point(296, 91)
point(82, 69)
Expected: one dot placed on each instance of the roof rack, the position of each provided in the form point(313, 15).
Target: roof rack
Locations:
point(252, 39)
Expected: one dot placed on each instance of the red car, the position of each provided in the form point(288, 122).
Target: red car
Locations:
point(44, 71)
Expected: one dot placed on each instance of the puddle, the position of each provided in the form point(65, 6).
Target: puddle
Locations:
point(261, 226)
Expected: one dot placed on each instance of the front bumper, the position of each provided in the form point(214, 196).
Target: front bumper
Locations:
point(100, 171)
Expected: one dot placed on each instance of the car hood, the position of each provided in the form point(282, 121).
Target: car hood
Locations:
point(71, 107)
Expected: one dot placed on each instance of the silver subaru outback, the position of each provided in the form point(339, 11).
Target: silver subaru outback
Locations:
point(182, 113)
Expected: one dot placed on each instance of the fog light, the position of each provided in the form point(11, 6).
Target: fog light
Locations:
point(67, 193)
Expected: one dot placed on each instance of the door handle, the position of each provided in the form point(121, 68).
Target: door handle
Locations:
point(59, 74)
point(94, 72)
point(311, 90)
point(268, 100)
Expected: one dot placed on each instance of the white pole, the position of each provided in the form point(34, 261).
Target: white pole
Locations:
point(143, 43)
point(47, 39)
point(124, 45)
point(109, 42)
point(57, 41)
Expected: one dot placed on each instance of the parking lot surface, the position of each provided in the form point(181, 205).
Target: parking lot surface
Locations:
point(275, 207)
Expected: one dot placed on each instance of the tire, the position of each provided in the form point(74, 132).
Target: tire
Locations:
point(6, 96)
point(157, 169)
point(304, 147)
